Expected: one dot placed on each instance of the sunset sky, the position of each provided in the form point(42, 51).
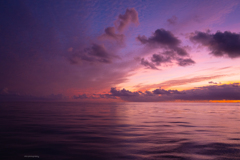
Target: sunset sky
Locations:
point(142, 50)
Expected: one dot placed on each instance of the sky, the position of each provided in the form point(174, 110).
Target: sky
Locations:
point(133, 50)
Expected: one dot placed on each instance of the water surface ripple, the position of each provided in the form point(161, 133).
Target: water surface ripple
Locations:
point(114, 131)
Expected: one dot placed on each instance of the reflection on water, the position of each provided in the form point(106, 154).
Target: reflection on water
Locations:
point(120, 131)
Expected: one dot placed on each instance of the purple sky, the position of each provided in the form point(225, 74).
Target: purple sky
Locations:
point(119, 50)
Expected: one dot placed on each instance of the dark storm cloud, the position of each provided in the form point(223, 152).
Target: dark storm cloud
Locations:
point(82, 96)
point(158, 59)
point(123, 92)
point(185, 62)
point(172, 20)
point(148, 64)
point(96, 53)
point(211, 82)
point(163, 91)
point(110, 34)
point(172, 50)
point(155, 95)
point(130, 16)
point(220, 44)
point(165, 39)
point(94, 96)
point(180, 51)
point(160, 36)
point(127, 95)
point(213, 92)
point(166, 57)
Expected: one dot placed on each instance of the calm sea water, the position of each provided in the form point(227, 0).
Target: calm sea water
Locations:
point(72, 131)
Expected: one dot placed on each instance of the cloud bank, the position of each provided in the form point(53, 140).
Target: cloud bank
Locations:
point(212, 92)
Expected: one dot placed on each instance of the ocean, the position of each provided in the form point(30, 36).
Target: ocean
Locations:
point(119, 131)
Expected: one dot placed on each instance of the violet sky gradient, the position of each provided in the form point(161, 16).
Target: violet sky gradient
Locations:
point(135, 50)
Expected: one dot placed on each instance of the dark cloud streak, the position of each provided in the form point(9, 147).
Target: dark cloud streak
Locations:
point(148, 64)
point(96, 53)
point(172, 20)
point(158, 59)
